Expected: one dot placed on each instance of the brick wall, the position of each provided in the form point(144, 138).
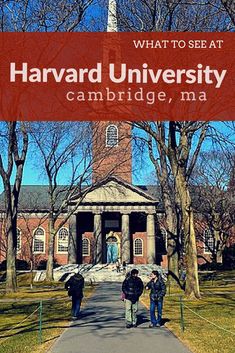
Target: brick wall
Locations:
point(140, 259)
point(27, 226)
point(89, 259)
point(115, 160)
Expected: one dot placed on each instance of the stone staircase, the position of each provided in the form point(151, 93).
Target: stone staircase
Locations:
point(99, 273)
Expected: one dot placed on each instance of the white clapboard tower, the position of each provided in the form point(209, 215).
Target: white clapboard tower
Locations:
point(112, 16)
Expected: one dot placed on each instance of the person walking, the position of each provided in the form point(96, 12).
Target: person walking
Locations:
point(75, 286)
point(157, 291)
point(132, 287)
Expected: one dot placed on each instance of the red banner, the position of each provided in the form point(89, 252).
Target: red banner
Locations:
point(117, 76)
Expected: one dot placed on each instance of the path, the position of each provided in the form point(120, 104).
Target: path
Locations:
point(102, 329)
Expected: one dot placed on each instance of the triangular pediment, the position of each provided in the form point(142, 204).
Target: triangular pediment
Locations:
point(118, 191)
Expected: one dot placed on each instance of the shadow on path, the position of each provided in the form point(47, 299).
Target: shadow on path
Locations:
point(101, 329)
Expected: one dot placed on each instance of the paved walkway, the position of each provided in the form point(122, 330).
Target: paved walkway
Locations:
point(102, 329)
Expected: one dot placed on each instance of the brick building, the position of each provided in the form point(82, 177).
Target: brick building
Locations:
point(115, 220)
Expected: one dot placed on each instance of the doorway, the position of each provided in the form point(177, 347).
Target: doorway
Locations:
point(111, 230)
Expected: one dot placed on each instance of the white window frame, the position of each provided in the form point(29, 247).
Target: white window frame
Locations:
point(142, 247)
point(89, 247)
point(107, 137)
point(19, 233)
point(44, 241)
point(58, 234)
point(206, 248)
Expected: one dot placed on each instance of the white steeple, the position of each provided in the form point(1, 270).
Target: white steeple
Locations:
point(112, 16)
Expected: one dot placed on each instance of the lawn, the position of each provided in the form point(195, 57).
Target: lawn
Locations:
point(217, 305)
point(56, 308)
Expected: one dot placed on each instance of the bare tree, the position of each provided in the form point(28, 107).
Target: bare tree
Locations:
point(66, 149)
point(14, 146)
point(3, 243)
point(213, 200)
point(176, 15)
point(27, 235)
point(44, 15)
point(26, 16)
point(229, 6)
point(175, 142)
point(163, 174)
point(63, 149)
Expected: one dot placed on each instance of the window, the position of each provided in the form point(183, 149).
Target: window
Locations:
point(111, 136)
point(208, 241)
point(18, 245)
point(39, 241)
point(85, 247)
point(62, 240)
point(138, 247)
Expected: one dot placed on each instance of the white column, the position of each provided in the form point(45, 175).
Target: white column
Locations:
point(151, 256)
point(98, 238)
point(72, 246)
point(126, 244)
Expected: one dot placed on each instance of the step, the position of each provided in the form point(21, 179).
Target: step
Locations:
point(99, 272)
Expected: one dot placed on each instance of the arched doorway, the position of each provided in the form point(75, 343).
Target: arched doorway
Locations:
point(113, 247)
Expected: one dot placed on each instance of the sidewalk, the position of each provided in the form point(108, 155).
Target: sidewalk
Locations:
point(102, 329)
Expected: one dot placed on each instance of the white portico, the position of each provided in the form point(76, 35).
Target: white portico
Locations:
point(119, 209)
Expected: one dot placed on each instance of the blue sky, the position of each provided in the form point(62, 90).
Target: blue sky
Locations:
point(33, 175)
point(142, 166)
point(95, 21)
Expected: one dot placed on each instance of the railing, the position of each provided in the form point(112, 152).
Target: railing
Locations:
point(37, 319)
point(183, 325)
point(14, 328)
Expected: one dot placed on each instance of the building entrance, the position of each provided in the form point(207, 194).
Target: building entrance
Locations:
point(111, 229)
point(112, 250)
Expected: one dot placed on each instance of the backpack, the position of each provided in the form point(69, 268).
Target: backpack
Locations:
point(75, 285)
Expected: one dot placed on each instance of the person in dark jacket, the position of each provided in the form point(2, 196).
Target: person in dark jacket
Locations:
point(75, 286)
point(157, 292)
point(132, 288)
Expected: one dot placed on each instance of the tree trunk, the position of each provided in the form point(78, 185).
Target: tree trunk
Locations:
point(31, 274)
point(51, 248)
point(192, 282)
point(170, 210)
point(192, 289)
point(173, 261)
point(11, 282)
point(172, 241)
point(219, 248)
point(15, 165)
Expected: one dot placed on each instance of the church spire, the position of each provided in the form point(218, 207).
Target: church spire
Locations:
point(112, 16)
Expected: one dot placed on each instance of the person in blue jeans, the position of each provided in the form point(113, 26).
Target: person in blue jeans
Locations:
point(74, 287)
point(157, 292)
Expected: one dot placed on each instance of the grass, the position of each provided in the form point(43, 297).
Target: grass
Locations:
point(25, 337)
point(217, 305)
